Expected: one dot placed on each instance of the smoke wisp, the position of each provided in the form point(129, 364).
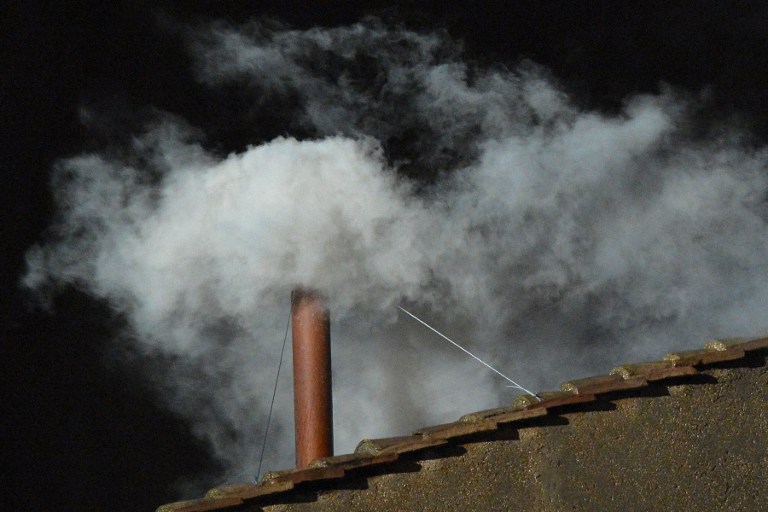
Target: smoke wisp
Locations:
point(551, 239)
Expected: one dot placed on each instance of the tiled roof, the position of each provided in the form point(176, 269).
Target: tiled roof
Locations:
point(376, 455)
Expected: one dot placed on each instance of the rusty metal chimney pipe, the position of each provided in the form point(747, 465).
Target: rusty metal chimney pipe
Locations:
point(313, 405)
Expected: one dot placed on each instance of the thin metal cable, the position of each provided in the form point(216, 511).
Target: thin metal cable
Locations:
point(514, 384)
point(274, 393)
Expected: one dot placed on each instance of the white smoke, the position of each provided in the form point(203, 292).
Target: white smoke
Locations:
point(552, 240)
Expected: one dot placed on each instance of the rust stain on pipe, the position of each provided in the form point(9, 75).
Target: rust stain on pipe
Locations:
point(313, 405)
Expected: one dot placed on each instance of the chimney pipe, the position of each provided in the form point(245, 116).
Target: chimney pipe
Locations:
point(313, 406)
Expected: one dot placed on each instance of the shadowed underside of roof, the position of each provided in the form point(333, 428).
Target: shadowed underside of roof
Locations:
point(690, 428)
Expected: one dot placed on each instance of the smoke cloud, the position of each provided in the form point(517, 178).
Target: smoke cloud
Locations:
point(552, 240)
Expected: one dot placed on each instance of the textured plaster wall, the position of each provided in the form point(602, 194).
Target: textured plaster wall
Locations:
point(702, 445)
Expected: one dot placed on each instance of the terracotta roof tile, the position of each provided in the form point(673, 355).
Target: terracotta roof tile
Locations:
point(522, 415)
point(249, 491)
point(526, 401)
point(740, 343)
point(273, 474)
point(567, 398)
point(376, 446)
point(704, 357)
point(305, 475)
point(202, 505)
point(503, 415)
point(354, 460)
point(653, 371)
point(602, 384)
point(457, 429)
point(404, 444)
point(487, 413)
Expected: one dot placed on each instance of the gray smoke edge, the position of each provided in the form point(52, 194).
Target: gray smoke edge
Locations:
point(554, 241)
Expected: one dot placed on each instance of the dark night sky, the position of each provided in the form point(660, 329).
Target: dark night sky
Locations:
point(80, 429)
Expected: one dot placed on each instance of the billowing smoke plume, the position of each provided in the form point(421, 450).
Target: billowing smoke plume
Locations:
point(552, 240)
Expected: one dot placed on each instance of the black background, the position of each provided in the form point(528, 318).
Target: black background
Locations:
point(80, 428)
